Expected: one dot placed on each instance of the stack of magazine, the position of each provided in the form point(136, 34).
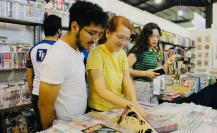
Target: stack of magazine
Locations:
point(117, 121)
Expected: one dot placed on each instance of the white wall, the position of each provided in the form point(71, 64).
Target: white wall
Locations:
point(214, 31)
point(214, 15)
point(140, 17)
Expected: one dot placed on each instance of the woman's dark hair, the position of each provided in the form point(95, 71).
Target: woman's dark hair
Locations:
point(113, 24)
point(142, 41)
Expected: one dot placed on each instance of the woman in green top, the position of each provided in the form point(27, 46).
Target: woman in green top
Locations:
point(143, 60)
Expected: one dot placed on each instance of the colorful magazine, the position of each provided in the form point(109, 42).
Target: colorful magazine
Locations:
point(132, 120)
point(191, 83)
point(100, 128)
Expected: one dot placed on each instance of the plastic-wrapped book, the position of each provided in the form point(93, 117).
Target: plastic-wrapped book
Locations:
point(189, 117)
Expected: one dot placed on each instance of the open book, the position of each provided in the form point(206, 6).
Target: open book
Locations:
point(100, 128)
point(132, 120)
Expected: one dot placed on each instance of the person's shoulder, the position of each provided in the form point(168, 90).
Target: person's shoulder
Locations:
point(45, 44)
point(60, 46)
point(122, 52)
point(97, 49)
point(59, 43)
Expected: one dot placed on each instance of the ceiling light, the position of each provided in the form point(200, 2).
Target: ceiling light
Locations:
point(180, 13)
point(157, 1)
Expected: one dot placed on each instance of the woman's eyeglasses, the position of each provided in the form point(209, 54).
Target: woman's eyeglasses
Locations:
point(123, 38)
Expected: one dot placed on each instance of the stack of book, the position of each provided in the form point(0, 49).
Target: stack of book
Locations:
point(117, 121)
point(169, 96)
point(13, 55)
point(31, 11)
point(14, 94)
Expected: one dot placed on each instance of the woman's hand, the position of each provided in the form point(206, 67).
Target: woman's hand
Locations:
point(150, 74)
point(140, 110)
point(171, 60)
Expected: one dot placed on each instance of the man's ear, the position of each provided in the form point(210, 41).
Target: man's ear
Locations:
point(74, 27)
point(107, 33)
point(59, 32)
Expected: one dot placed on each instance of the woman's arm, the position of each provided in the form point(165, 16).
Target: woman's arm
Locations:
point(169, 62)
point(97, 79)
point(137, 73)
point(100, 88)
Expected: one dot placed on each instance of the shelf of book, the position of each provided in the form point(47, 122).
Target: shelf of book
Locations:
point(11, 69)
point(175, 45)
point(24, 22)
point(2, 110)
point(19, 21)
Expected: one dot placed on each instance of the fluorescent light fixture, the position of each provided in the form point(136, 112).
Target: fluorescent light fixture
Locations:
point(180, 13)
point(157, 1)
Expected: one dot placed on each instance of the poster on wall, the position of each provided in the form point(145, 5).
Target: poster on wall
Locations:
point(206, 62)
point(199, 63)
point(56, 4)
point(199, 39)
point(199, 46)
point(206, 55)
point(216, 56)
point(199, 55)
point(206, 46)
point(214, 44)
point(204, 49)
point(207, 39)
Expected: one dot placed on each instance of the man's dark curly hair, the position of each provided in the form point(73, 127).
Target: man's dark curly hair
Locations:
point(142, 41)
point(86, 13)
point(51, 25)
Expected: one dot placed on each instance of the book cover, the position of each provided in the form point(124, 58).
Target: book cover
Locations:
point(1, 61)
point(21, 59)
point(162, 124)
point(100, 128)
point(132, 120)
point(7, 60)
point(191, 83)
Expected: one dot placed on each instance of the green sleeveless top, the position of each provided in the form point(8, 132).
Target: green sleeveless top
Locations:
point(145, 61)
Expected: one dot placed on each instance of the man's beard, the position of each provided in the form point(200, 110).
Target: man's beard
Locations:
point(78, 42)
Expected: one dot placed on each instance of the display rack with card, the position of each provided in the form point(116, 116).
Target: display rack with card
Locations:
point(14, 94)
point(181, 47)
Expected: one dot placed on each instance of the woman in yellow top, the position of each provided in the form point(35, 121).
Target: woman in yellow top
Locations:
point(108, 72)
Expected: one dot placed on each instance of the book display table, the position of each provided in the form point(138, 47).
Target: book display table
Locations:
point(167, 117)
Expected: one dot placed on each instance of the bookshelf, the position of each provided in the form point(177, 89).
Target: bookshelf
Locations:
point(20, 21)
point(14, 95)
point(12, 69)
point(17, 17)
point(182, 47)
point(176, 45)
point(15, 108)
